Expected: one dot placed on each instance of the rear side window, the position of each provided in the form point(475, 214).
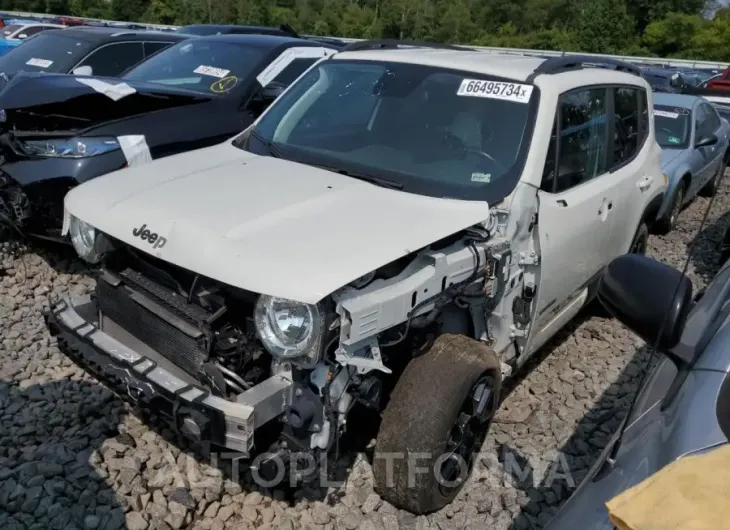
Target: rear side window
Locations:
point(630, 127)
point(713, 120)
point(151, 48)
point(577, 152)
point(113, 59)
point(294, 70)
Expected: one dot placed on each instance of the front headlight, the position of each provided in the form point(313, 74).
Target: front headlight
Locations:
point(289, 329)
point(90, 244)
point(70, 147)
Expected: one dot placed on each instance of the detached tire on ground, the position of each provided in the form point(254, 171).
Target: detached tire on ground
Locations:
point(428, 413)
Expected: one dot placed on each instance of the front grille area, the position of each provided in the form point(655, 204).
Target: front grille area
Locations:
point(159, 318)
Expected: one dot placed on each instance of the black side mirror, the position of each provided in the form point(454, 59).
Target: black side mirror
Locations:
point(272, 91)
point(639, 292)
point(709, 139)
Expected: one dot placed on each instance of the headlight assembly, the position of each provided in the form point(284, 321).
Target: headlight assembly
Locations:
point(70, 147)
point(289, 329)
point(89, 243)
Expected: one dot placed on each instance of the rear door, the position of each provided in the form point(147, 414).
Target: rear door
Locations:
point(577, 202)
point(635, 179)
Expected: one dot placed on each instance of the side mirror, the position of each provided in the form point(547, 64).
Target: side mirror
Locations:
point(272, 91)
point(640, 293)
point(676, 81)
point(83, 70)
point(22, 36)
point(706, 140)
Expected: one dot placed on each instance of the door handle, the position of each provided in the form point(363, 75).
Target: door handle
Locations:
point(562, 203)
point(645, 183)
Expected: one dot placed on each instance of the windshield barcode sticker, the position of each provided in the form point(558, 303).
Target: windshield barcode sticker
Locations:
point(211, 71)
point(41, 63)
point(666, 114)
point(495, 90)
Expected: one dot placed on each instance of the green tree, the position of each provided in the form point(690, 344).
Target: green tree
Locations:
point(604, 26)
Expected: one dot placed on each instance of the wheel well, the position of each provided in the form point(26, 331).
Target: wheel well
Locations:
point(686, 179)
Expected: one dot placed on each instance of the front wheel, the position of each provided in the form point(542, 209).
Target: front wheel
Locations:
point(641, 240)
point(668, 221)
point(433, 426)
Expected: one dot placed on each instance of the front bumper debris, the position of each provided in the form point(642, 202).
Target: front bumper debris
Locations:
point(191, 409)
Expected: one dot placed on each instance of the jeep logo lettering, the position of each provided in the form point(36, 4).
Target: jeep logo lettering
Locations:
point(152, 238)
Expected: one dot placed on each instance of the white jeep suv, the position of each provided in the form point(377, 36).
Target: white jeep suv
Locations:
point(403, 228)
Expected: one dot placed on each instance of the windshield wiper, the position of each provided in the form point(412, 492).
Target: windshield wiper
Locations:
point(378, 181)
point(273, 151)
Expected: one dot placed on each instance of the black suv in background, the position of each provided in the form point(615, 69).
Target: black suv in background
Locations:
point(107, 51)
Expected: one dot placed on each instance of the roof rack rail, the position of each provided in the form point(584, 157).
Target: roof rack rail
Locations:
point(393, 44)
point(566, 63)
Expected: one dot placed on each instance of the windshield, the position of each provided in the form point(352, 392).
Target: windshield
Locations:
point(203, 66)
point(432, 130)
point(9, 30)
point(46, 52)
point(672, 126)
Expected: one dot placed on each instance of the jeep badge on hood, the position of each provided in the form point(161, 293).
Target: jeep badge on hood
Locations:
point(152, 238)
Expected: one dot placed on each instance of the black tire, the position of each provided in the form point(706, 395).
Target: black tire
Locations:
point(710, 189)
point(640, 241)
point(668, 221)
point(421, 417)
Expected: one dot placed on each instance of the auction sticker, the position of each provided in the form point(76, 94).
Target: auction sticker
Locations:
point(211, 71)
point(495, 90)
point(41, 63)
point(666, 114)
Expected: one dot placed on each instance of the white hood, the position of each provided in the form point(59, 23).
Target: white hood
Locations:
point(264, 224)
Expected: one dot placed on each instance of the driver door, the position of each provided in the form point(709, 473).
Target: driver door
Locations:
point(576, 210)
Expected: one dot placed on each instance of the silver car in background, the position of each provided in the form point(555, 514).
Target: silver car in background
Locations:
point(684, 408)
point(694, 142)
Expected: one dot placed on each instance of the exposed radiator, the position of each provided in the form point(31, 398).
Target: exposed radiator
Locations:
point(161, 319)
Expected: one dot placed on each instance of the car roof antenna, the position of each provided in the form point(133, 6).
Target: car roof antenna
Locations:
point(655, 347)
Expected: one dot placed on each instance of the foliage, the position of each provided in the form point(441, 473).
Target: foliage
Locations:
point(664, 28)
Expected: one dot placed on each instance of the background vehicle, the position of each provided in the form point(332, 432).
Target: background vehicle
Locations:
point(88, 50)
point(63, 130)
point(694, 141)
point(684, 407)
point(229, 29)
point(456, 283)
point(664, 79)
point(18, 31)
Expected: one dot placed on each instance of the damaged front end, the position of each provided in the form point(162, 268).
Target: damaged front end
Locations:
point(57, 131)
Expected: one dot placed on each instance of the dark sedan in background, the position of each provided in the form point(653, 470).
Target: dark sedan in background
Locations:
point(62, 130)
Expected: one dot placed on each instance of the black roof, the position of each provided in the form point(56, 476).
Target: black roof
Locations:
point(97, 34)
point(262, 41)
point(210, 29)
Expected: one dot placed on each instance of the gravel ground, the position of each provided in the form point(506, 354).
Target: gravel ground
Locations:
point(73, 456)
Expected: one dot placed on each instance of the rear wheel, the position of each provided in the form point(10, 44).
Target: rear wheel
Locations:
point(710, 189)
point(433, 426)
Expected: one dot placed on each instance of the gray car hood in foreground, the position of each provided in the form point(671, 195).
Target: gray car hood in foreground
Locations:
point(265, 224)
